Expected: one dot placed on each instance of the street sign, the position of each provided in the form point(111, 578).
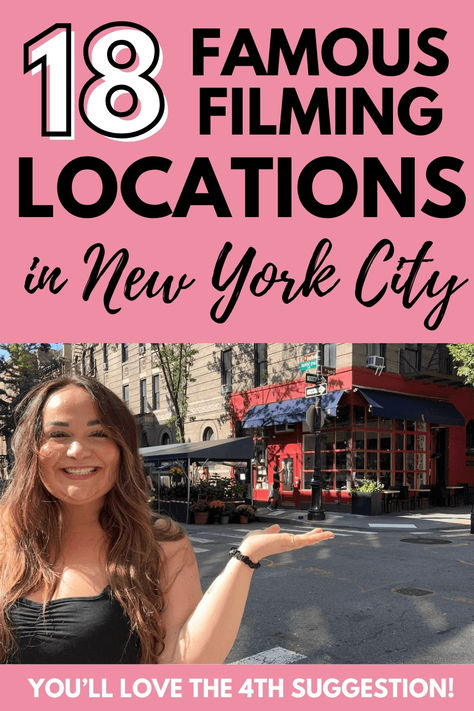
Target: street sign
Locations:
point(316, 390)
point(313, 378)
point(309, 364)
point(326, 370)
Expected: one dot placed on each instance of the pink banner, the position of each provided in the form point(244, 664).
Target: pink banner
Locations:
point(236, 166)
point(428, 688)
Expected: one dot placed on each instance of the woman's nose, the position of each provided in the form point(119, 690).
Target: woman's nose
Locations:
point(77, 448)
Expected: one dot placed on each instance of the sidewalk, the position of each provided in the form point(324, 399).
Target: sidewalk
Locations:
point(457, 517)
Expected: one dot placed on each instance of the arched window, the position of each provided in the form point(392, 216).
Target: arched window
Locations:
point(208, 434)
point(165, 438)
point(470, 439)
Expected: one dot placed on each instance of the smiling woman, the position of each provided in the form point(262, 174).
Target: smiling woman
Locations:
point(78, 459)
point(86, 575)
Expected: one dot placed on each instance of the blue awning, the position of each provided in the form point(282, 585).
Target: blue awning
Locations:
point(288, 411)
point(404, 407)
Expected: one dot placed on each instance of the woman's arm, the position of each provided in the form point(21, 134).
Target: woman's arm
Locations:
point(203, 631)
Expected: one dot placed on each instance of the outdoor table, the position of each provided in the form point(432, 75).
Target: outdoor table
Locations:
point(386, 493)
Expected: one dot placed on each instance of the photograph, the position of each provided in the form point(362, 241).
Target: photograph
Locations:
point(137, 475)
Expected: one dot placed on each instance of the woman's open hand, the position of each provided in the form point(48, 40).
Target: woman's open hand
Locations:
point(270, 541)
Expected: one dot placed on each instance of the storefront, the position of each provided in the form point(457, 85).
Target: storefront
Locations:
point(385, 428)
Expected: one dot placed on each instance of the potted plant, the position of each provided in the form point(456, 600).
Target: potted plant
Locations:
point(216, 509)
point(367, 498)
point(200, 510)
point(245, 512)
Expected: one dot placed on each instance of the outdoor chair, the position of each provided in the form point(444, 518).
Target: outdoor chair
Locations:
point(424, 495)
point(464, 494)
point(393, 502)
point(404, 498)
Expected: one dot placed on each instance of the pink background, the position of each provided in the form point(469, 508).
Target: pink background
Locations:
point(192, 244)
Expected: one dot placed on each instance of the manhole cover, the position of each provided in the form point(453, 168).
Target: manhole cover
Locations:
point(415, 592)
point(425, 541)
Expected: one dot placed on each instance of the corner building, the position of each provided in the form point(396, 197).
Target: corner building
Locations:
point(394, 413)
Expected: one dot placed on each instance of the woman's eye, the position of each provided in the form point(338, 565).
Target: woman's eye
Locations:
point(57, 435)
point(99, 433)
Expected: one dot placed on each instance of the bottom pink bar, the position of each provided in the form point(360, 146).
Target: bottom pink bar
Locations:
point(424, 687)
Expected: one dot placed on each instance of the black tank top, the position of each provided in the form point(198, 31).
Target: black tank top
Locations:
point(73, 630)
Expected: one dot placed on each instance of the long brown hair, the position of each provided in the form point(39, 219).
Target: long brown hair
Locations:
point(30, 531)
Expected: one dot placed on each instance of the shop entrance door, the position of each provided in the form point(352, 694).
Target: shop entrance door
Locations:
point(287, 473)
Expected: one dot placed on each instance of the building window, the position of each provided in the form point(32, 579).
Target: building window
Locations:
point(226, 369)
point(91, 362)
point(358, 445)
point(260, 364)
point(124, 352)
point(445, 360)
point(143, 400)
point(105, 356)
point(165, 438)
point(155, 387)
point(470, 439)
point(410, 359)
point(376, 349)
point(84, 363)
point(329, 354)
point(141, 348)
point(208, 434)
point(126, 394)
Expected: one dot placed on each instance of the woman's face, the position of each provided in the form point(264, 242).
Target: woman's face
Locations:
point(79, 462)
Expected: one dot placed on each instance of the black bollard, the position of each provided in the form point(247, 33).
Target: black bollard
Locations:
point(472, 518)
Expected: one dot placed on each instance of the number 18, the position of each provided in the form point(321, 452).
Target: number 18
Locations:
point(121, 100)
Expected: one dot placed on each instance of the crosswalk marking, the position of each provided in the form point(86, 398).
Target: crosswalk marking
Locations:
point(195, 539)
point(222, 535)
point(392, 525)
point(276, 655)
point(201, 550)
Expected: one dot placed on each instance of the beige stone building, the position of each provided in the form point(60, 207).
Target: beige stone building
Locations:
point(132, 371)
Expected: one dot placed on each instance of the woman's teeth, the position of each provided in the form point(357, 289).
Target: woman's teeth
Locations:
point(83, 471)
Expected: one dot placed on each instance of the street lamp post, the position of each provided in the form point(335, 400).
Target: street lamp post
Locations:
point(315, 420)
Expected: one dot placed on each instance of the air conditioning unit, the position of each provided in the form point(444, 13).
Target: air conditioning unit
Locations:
point(375, 361)
point(141, 349)
point(105, 366)
point(226, 389)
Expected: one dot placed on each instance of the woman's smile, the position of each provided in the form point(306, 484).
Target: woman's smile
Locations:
point(80, 473)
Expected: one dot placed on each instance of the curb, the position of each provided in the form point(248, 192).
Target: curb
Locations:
point(361, 525)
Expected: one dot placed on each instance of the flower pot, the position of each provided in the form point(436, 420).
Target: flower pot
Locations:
point(367, 504)
point(201, 517)
point(225, 518)
point(243, 519)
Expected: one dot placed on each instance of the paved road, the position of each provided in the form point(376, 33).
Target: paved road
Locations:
point(398, 591)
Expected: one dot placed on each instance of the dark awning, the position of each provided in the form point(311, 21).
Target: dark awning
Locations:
point(288, 411)
point(404, 407)
point(240, 448)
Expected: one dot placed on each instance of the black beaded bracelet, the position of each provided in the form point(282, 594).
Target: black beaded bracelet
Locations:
point(235, 553)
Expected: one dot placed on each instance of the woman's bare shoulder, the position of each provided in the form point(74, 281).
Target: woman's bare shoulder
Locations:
point(171, 536)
